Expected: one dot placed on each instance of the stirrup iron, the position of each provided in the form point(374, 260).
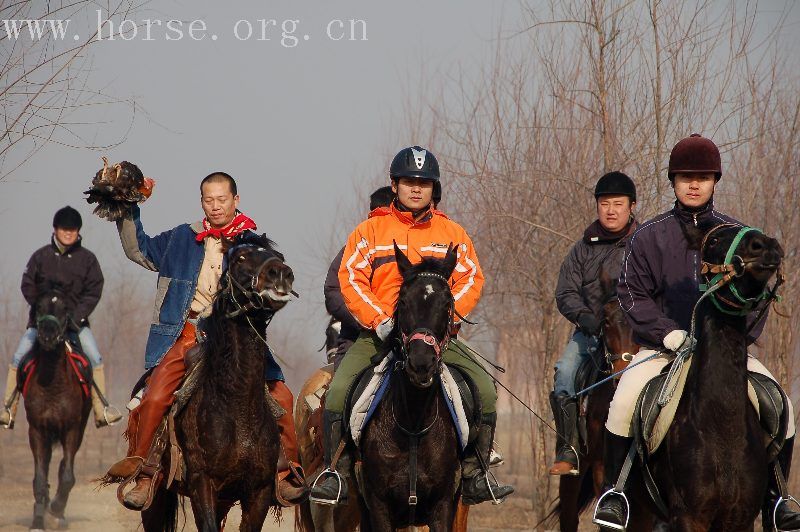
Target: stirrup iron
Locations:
point(331, 472)
point(113, 410)
point(782, 500)
point(607, 524)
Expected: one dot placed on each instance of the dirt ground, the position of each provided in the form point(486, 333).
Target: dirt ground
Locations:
point(96, 510)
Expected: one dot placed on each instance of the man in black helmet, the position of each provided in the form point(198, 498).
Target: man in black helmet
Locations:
point(579, 297)
point(66, 264)
point(370, 283)
point(659, 265)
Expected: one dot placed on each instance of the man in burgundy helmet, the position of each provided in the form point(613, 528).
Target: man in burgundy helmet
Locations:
point(653, 293)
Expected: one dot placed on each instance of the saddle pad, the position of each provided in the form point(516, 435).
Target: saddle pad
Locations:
point(78, 362)
point(369, 399)
point(653, 421)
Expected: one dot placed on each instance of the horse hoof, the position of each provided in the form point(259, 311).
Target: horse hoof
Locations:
point(54, 522)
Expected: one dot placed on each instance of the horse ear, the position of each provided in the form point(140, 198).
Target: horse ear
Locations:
point(450, 259)
point(403, 264)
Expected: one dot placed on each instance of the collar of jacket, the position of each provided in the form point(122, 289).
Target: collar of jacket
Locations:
point(597, 234)
point(693, 216)
point(68, 249)
point(406, 217)
point(197, 226)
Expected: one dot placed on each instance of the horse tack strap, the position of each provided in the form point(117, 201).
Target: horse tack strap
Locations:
point(337, 455)
point(412, 479)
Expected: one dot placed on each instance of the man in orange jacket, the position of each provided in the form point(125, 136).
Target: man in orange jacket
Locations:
point(370, 284)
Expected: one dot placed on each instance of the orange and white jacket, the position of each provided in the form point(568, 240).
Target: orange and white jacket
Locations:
point(369, 277)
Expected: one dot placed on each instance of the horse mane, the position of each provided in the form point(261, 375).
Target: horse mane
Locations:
point(428, 265)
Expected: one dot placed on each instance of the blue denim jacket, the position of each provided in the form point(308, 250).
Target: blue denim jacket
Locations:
point(177, 257)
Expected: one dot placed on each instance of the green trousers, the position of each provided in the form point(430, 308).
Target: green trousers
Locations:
point(357, 359)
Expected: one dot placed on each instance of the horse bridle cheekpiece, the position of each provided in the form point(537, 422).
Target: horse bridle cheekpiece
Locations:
point(426, 335)
point(732, 267)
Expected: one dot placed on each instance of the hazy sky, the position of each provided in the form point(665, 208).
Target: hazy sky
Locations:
point(297, 127)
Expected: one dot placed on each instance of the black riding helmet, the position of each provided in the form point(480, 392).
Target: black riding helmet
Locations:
point(615, 183)
point(417, 162)
point(67, 218)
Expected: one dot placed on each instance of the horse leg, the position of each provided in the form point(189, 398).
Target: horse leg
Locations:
point(254, 510)
point(42, 451)
point(442, 516)
point(379, 517)
point(163, 511)
point(66, 475)
point(204, 500)
point(568, 489)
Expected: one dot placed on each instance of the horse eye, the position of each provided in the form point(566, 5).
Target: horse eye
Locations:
point(713, 241)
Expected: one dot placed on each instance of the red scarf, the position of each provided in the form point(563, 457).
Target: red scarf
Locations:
point(239, 224)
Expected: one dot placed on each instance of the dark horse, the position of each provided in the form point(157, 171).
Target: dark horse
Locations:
point(711, 468)
point(226, 431)
point(413, 414)
point(575, 493)
point(56, 407)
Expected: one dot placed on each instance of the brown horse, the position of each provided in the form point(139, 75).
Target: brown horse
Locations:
point(57, 406)
point(227, 432)
point(577, 492)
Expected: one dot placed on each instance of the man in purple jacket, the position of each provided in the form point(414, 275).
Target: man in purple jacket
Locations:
point(658, 287)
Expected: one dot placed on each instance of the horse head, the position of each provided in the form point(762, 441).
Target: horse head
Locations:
point(617, 333)
point(738, 263)
point(52, 316)
point(256, 279)
point(424, 314)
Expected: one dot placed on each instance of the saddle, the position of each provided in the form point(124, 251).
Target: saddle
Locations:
point(658, 402)
point(460, 394)
point(79, 363)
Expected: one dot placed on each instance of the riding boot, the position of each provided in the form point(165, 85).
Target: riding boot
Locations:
point(10, 400)
point(477, 483)
point(612, 509)
point(103, 415)
point(292, 487)
point(786, 517)
point(146, 418)
point(565, 414)
point(331, 485)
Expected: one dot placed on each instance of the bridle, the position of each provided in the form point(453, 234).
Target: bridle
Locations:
point(257, 300)
point(732, 267)
point(426, 335)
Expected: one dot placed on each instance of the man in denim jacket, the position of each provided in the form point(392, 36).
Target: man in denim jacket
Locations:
point(189, 261)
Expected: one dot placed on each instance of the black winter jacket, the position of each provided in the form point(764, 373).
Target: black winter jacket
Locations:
point(75, 271)
point(578, 289)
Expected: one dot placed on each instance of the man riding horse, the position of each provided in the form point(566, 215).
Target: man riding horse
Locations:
point(579, 296)
point(658, 288)
point(189, 260)
point(370, 282)
point(69, 266)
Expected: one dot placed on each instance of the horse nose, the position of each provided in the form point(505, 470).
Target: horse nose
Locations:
point(757, 245)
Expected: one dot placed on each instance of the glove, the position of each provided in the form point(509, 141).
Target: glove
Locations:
point(588, 324)
point(679, 340)
point(384, 328)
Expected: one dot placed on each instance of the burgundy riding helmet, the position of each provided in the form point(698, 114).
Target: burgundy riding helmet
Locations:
point(693, 155)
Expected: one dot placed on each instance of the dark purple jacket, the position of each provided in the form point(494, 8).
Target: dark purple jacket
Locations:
point(334, 302)
point(660, 279)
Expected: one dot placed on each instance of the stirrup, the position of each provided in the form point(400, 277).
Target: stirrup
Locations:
point(113, 410)
point(329, 502)
point(608, 524)
point(11, 419)
point(780, 501)
point(495, 500)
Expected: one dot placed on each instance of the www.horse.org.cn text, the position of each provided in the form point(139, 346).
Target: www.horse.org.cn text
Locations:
point(286, 33)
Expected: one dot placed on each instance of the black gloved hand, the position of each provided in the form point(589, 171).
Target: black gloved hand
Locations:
point(588, 324)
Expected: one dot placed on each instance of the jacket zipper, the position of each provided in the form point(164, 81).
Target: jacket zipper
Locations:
point(695, 219)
